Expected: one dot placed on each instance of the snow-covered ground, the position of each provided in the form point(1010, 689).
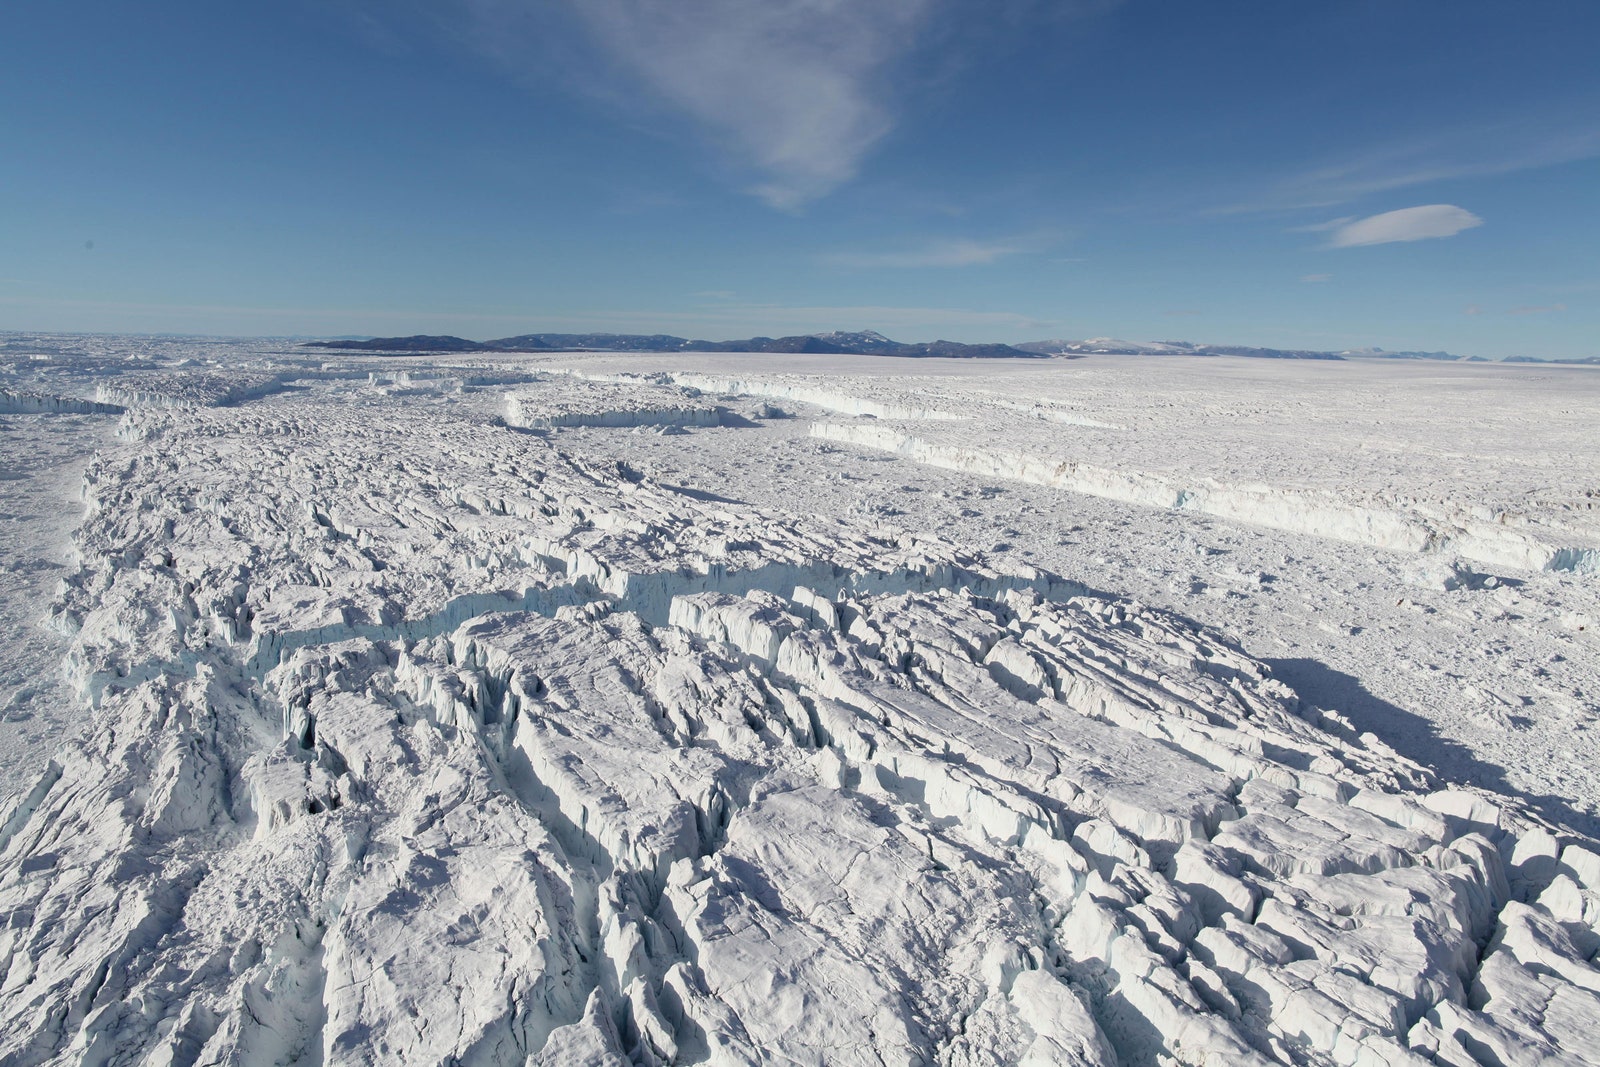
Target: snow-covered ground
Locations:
point(675, 709)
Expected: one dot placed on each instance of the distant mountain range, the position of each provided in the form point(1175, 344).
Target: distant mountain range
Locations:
point(866, 343)
point(870, 343)
point(415, 343)
point(1587, 361)
point(1111, 346)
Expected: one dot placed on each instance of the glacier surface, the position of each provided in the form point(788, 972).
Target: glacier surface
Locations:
point(411, 736)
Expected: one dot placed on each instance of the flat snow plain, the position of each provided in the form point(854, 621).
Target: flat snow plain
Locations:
point(736, 709)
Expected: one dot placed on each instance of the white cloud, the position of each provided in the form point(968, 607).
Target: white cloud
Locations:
point(933, 254)
point(1315, 277)
point(1407, 224)
point(792, 88)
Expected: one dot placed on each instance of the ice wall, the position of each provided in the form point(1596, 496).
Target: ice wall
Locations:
point(1302, 512)
point(779, 387)
point(605, 407)
point(186, 390)
point(15, 402)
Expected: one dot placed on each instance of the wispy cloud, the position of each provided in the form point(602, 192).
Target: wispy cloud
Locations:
point(955, 253)
point(1507, 145)
point(795, 89)
point(1406, 224)
point(1323, 227)
point(1500, 149)
point(1536, 309)
point(795, 93)
point(1316, 277)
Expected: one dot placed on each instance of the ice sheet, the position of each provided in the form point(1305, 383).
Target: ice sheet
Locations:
point(415, 737)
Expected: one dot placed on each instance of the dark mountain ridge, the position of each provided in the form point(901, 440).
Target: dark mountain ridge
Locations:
point(867, 344)
point(870, 343)
point(414, 343)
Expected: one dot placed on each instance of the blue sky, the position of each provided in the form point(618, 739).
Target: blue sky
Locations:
point(1398, 173)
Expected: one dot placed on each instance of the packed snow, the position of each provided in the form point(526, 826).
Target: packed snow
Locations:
point(587, 709)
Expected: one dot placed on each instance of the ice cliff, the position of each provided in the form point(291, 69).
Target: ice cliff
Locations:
point(16, 402)
point(1388, 525)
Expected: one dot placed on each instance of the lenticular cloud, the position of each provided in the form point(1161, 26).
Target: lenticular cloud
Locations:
point(1407, 224)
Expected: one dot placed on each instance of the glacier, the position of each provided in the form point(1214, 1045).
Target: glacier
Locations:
point(411, 736)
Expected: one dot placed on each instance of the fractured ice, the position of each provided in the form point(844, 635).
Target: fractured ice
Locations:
point(420, 740)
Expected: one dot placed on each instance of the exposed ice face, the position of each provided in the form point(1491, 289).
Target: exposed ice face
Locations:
point(15, 402)
point(418, 739)
point(631, 405)
point(1379, 524)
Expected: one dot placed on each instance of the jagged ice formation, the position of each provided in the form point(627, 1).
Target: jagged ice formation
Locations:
point(421, 740)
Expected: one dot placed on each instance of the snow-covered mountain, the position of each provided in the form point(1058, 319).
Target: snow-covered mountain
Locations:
point(1108, 346)
point(858, 340)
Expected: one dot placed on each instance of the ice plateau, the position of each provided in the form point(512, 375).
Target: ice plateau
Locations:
point(431, 717)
